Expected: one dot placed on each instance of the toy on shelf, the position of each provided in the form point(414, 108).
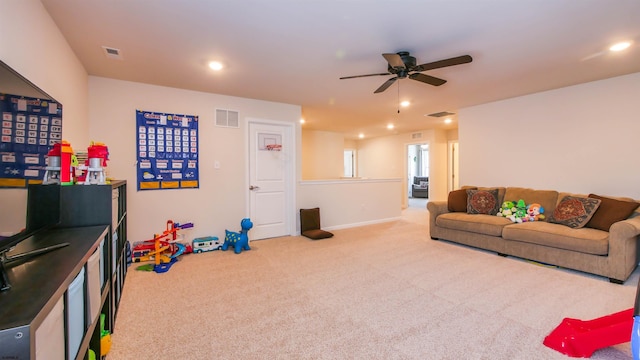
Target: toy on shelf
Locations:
point(164, 249)
point(61, 165)
point(239, 240)
point(52, 171)
point(93, 167)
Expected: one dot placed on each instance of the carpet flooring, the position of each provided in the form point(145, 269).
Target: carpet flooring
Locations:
point(384, 291)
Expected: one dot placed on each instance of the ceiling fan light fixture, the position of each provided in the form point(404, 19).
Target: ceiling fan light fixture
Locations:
point(447, 121)
point(620, 46)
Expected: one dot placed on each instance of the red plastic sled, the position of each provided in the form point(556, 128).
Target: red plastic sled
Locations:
point(580, 338)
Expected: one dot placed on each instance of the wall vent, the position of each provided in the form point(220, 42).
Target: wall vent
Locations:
point(112, 53)
point(415, 136)
point(227, 118)
point(441, 114)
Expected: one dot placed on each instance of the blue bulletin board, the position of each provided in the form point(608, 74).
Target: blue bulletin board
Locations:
point(30, 126)
point(167, 151)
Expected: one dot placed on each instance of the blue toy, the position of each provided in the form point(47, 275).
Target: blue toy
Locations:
point(239, 241)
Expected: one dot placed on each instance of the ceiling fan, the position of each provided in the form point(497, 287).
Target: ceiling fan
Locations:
point(403, 65)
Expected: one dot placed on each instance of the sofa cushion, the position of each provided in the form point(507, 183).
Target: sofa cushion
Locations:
point(610, 211)
point(476, 223)
point(574, 212)
point(457, 201)
point(483, 202)
point(584, 240)
point(546, 198)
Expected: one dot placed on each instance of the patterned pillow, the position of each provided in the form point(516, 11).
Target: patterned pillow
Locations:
point(574, 212)
point(483, 202)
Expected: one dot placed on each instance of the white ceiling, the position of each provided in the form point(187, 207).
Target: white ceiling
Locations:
point(295, 51)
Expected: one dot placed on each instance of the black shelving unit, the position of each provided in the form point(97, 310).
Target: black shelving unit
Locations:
point(93, 221)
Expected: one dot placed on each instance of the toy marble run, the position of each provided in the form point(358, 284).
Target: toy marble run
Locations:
point(163, 249)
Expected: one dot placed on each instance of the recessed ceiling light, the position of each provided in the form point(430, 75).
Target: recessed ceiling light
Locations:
point(620, 46)
point(216, 65)
point(361, 135)
point(301, 121)
point(447, 121)
point(390, 126)
point(405, 103)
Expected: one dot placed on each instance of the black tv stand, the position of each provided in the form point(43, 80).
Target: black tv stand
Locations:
point(4, 259)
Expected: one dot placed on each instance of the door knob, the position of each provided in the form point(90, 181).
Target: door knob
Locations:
point(251, 187)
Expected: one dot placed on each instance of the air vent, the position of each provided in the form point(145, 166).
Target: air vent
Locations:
point(112, 53)
point(227, 118)
point(441, 114)
point(415, 136)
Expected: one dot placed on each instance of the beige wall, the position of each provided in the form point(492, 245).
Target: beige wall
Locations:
point(32, 45)
point(582, 139)
point(385, 157)
point(322, 155)
point(220, 202)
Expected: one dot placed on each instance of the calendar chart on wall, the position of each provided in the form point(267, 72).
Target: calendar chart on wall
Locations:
point(30, 126)
point(167, 151)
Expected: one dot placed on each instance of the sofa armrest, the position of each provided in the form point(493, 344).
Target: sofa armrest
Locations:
point(623, 246)
point(435, 209)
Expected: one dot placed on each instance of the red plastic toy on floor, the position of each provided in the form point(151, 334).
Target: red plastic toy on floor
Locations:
point(580, 338)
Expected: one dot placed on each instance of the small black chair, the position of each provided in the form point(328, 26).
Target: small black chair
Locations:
point(310, 224)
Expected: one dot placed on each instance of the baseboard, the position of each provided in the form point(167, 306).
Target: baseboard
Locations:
point(364, 223)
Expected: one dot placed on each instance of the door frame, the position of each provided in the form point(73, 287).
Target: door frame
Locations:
point(453, 165)
point(407, 180)
point(290, 168)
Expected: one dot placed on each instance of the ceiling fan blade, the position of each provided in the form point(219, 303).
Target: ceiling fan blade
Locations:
point(358, 76)
point(394, 60)
point(386, 84)
point(444, 63)
point(427, 79)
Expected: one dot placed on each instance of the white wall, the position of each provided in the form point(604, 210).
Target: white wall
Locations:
point(352, 202)
point(581, 139)
point(322, 155)
point(31, 44)
point(219, 203)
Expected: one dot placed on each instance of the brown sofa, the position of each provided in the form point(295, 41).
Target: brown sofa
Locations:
point(612, 254)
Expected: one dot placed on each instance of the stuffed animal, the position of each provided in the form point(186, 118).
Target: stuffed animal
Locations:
point(534, 212)
point(507, 209)
point(519, 213)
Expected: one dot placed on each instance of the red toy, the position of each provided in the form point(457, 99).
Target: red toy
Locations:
point(580, 338)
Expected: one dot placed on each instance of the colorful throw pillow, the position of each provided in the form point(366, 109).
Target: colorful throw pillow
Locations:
point(457, 201)
point(574, 212)
point(424, 184)
point(610, 211)
point(483, 202)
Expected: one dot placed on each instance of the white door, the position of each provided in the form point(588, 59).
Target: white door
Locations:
point(271, 179)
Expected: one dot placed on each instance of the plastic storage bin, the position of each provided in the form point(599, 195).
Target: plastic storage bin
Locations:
point(75, 314)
